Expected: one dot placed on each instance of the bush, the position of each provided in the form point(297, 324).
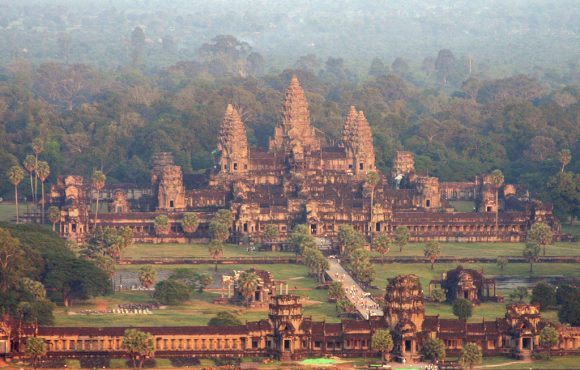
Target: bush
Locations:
point(544, 295)
point(184, 361)
point(95, 362)
point(228, 361)
point(149, 363)
point(462, 308)
point(171, 292)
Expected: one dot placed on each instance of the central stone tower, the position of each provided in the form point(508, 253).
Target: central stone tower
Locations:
point(294, 133)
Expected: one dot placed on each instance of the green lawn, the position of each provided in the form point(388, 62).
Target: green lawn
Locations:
point(485, 249)
point(573, 229)
point(8, 210)
point(169, 250)
point(200, 308)
point(463, 205)
point(568, 362)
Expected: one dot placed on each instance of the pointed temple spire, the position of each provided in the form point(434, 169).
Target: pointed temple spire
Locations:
point(362, 145)
point(295, 125)
point(349, 126)
point(233, 142)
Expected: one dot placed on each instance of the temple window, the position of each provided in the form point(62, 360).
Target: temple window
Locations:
point(361, 166)
point(254, 344)
point(235, 166)
point(171, 204)
point(428, 203)
point(317, 344)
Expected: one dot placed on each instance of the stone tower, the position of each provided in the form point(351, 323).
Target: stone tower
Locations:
point(286, 318)
point(361, 146)
point(349, 126)
point(404, 299)
point(403, 165)
point(171, 194)
point(405, 313)
point(428, 195)
point(294, 133)
point(233, 144)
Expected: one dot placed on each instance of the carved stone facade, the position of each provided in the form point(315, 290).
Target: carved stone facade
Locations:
point(468, 284)
point(288, 334)
point(300, 179)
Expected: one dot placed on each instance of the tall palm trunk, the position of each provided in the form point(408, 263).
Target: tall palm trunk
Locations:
point(42, 189)
point(497, 213)
point(35, 178)
point(97, 209)
point(16, 199)
point(31, 188)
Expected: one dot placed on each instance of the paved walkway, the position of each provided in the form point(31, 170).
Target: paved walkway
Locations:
point(364, 303)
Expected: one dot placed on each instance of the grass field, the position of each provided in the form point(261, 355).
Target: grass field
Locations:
point(568, 362)
point(489, 250)
point(200, 308)
point(168, 250)
point(8, 210)
point(486, 249)
point(463, 205)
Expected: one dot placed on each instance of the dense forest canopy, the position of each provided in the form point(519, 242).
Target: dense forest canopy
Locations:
point(467, 86)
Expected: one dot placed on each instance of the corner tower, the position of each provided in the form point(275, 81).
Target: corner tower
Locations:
point(233, 144)
point(360, 146)
point(295, 129)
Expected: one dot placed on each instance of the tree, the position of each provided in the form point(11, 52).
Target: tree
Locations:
point(54, 216)
point(37, 148)
point(147, 276)
point(161, 225)
point(471, 355)
point(189, 223)
point(564, 192)
point(462, 308)
point(549, 338)
point(36, 349)
point(377, 68)
point(544, 295)
point(568, 298)
point(225, 318)
point(444, 65)
point(30, 166)
point(43, 171)
point(432, 251)
point(316, 262)
point(541, 234)
point(520, 293)
point(219, 231)
point(336, 291)
point(15, 175)
point(301, 239)
point(361, 267)
point(247, 284)
point(139, 345)
point(531, 253)
point(433, 349)
point(438, 295)
point(171, 292)
point(565, 158)
point(382, 341)
point(98, 180)
point(137, 45)
point(501, 262)
point(344, 305)
point(216, 250)
point(202, 281)
point(270, 234)
point(382, 245)
point(496, 178)
point(372, 179)
point(349, 239)
point(401, 237)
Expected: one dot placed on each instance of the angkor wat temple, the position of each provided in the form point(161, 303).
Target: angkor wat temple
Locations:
point(288, 334)
point(299, 179)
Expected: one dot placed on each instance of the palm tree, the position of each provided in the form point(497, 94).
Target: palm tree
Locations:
point(30, 165)
point(15, 175)
point(496, 178)
point(247, 284)
point(565, 158)
point(37, 148)
point(216, 250)
point(53, 216)
point(98, 180)
point(371, 181)
point(43, 171)
point(147, 276)
point(189, 223)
